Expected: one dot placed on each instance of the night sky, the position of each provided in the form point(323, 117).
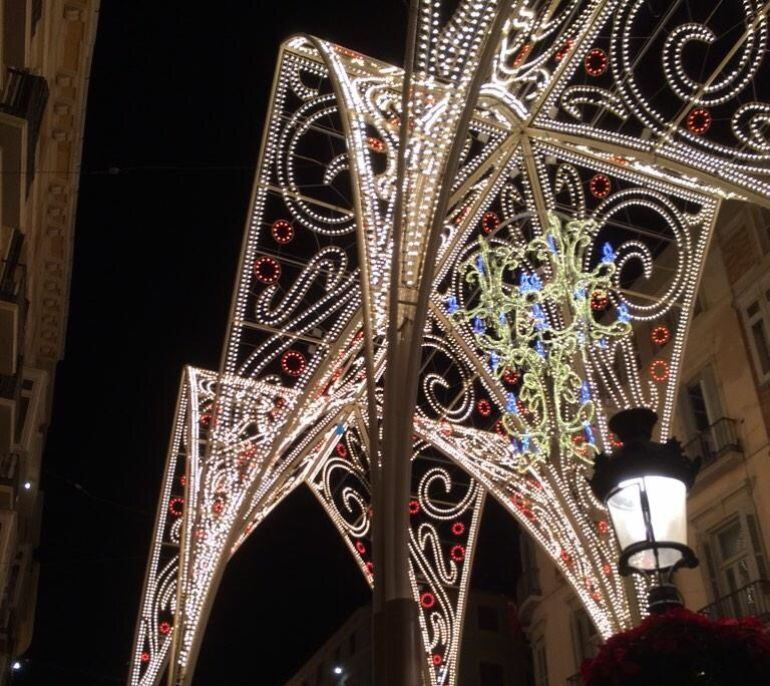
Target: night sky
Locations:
point(176, 107)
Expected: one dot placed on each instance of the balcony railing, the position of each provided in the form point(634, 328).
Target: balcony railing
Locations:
point(721, 437)
point(753, 600)
point(13, 276)
point(25, 96)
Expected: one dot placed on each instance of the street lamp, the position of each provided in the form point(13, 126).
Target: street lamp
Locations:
point(644, 486)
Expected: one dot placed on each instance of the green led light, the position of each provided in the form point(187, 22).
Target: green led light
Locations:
point(532, 313)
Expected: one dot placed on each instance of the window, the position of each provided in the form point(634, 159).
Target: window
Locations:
point(584, 636)
point(734, 555)
point(528, 583)
point(540, 660)
point(706, 431)
point(756, 316)
point(491, 674)
point(488, 618)
point(699, 402)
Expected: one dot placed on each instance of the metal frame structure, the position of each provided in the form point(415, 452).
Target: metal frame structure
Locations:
point(352, 362)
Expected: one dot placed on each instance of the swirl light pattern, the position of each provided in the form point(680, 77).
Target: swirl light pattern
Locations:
point(371, 326)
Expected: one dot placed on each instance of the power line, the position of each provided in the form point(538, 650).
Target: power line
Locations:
point(101, 499)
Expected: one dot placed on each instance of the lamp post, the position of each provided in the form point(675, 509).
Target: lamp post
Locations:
point(644, 486)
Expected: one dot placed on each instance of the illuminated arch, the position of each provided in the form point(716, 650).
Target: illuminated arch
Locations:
point(364, 218)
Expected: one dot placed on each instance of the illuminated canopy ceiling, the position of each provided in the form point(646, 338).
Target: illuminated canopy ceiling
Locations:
point(589, 145)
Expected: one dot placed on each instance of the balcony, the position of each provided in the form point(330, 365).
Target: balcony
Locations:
point(753, 600)
point(13, 306)
point(13, 309)
point(9, 473)
point(10, 390)
point(721, 438)
point(24, 99)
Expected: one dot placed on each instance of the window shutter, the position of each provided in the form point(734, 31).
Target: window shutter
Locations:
point(756, 545)
point(711, 393)
point(712, 572)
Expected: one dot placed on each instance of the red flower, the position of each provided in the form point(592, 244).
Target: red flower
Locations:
point(681, 648)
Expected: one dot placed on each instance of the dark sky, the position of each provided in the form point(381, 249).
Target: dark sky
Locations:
point(177, 102)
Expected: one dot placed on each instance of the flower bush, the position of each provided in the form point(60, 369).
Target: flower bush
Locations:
point(681, 648)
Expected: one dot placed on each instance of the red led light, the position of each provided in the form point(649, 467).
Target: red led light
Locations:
point(414, 507)
point(699, 120)
point(266, 269)
point(183, 480)
point(523, 53)
point(462, 214)
point(607, 569)
point(534, 483)
point(561, 53)
point(458, 528)
point(603, 526)
point(341, 450)
point(599, 301)
point(600, 185)
point(437, 659)
point(218, 505)
point(370, 568)
point(282, 231)
point(164, 628)
point(489, 222)
point(375, 144)
point(579, 441)
point(511, 376)
point(205, 419)
point(596, 62)
point(660, 335)
point(293, 363)
point(145, 656)
point(427, 600)
point(615, 442)
point(361, 548)
point(659, 370)
point(457, 553)
point(483, 407)
point(176, 506)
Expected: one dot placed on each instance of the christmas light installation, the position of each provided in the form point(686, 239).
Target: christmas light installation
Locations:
point(544, 325)
point(504, 113)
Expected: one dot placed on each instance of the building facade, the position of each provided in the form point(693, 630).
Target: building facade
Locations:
point(45, 49)
point(493, 648)
point(723, 416)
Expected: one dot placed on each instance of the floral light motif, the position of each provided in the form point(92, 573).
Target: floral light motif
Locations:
point(544, 326)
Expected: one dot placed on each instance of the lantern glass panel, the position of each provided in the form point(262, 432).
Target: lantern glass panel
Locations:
point(667, 515)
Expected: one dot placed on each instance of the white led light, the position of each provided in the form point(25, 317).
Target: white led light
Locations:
point(332, 282)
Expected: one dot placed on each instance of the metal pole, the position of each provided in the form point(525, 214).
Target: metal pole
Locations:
point(395, 634)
